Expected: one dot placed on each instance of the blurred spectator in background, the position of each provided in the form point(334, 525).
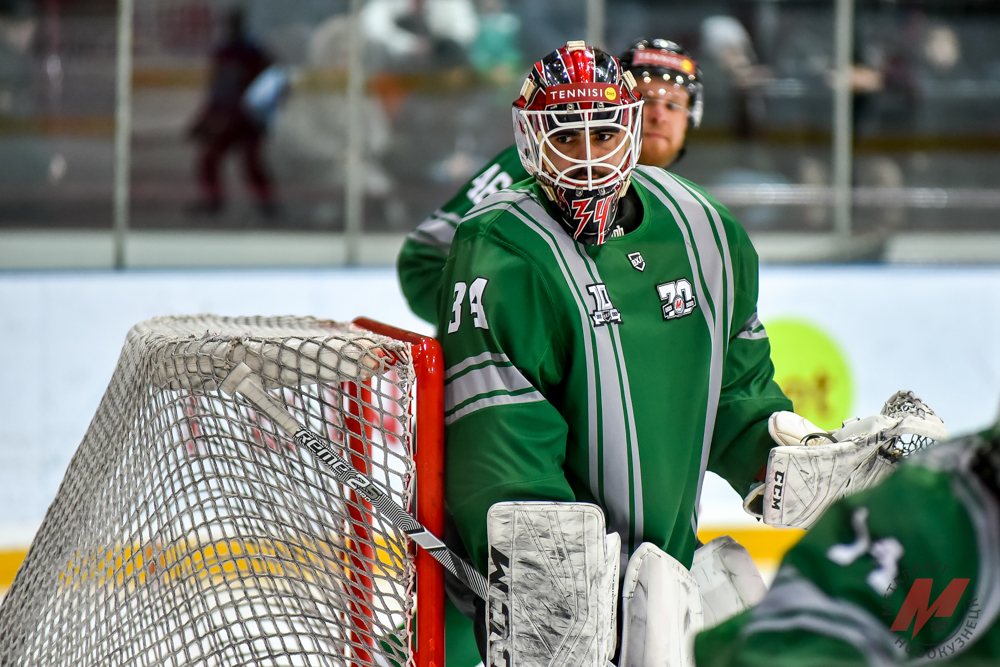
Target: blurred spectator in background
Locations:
point(17, 34)
point(725, 39)
point(317, 121)
point(417, 33)
point(224, 123)
point(495, 52)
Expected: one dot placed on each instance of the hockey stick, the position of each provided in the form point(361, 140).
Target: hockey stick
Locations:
point(241, 380)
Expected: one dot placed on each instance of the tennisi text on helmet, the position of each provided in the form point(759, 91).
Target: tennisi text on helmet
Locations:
point(581, 92)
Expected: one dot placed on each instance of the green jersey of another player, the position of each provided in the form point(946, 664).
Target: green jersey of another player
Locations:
point(426, 248)
point(909, 570)
point(670, 84)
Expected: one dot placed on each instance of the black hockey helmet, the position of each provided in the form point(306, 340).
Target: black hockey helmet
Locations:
point(653, 60)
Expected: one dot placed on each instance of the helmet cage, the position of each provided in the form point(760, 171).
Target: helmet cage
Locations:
point(537, 132)
point(696, 97)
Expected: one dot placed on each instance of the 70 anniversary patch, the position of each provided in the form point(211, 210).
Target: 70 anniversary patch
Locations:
point(678, 297)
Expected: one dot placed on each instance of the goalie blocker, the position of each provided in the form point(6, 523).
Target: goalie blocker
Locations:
point(554, 594)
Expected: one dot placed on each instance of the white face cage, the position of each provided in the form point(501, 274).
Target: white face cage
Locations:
point(582, 166)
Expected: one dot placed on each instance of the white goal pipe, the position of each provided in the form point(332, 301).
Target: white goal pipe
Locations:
point(123, 130)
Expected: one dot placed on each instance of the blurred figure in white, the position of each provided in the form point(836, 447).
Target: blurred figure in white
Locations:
point(315, 122)
point(725, 39)
point(438, 30)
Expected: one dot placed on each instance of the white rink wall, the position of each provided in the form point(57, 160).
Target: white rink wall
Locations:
point(933, 330)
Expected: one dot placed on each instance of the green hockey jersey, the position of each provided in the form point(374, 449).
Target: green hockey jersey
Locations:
point(425, 250)
point(614, 374)
point(905, 571)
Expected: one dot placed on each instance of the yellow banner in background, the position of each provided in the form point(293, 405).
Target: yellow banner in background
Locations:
point(812, 370)
point(9, 562)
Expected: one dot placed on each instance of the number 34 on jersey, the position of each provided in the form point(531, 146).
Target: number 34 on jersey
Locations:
point(475, 292)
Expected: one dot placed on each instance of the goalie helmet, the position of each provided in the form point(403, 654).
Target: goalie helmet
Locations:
point(578, 127)
point(666, 62)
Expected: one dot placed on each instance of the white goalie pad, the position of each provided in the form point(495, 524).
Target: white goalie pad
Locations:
point(803, 479)
point(661, 611)
point(553, 577)
point(728, 579)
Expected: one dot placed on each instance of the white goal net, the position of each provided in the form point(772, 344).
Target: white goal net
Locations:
point(190, 531)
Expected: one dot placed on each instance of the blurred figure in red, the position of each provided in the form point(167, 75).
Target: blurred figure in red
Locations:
point(224, 123)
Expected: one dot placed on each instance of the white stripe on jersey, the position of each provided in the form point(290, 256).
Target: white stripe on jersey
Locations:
point(712, 270)
point(479, 381)
point(508, 196)
point(474, 361)
point(753, 329)
point(984, 511)
point(592, 435)
point(490, 401)
point(795, 603)
point(439, 226)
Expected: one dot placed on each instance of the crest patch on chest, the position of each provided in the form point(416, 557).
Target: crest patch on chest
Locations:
point(638, 263)
point(677, 297)
point(605, 313)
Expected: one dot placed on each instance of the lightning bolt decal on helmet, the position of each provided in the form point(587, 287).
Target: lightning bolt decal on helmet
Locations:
point(578, 127)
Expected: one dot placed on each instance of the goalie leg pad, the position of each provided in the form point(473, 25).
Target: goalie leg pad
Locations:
point(661, 609)
point(728, 579)
point(553, 583)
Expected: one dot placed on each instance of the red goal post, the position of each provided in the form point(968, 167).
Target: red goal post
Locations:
point(428, 361)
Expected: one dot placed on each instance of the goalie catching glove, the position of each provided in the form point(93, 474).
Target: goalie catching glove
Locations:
point(812, 468)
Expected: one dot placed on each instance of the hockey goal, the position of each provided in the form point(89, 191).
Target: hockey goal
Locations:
point(189, 530)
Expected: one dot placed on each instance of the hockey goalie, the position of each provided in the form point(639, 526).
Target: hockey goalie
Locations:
point(602, 351)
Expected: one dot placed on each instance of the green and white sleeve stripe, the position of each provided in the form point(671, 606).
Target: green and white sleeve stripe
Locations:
point(437, 231)
point(753, 329)
point(796, 603)
point(484, 381)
